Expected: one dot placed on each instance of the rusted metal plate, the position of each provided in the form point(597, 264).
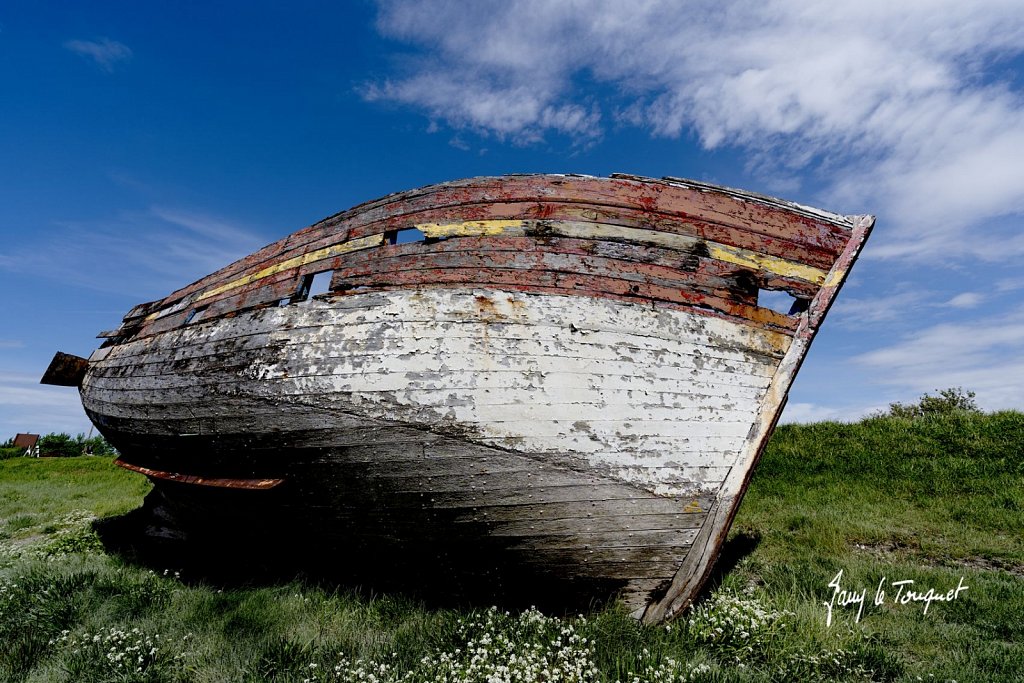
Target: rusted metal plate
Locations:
point(65, 370)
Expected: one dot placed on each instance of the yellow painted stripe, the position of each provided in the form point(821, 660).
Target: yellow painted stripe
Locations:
point(577, 229)
point(773, 264)
point(467, 228)
point(834, 278)
point(309, 257)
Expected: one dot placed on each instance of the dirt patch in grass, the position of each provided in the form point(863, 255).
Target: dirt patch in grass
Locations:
point(900, 551)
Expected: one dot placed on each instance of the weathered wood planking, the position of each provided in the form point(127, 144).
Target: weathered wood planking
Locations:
point(564, 381)
point(312, 256)
point(755, 223)
point(545, 416)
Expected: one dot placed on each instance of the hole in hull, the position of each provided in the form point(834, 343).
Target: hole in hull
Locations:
point(781, 302)
point(311, 286)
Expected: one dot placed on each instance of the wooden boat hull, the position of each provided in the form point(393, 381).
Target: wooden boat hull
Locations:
point(567, 379)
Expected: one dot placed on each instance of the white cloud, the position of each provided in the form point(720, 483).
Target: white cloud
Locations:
point(520, 114)
point(900, 104)
point(106, 53)
point(984, 355)
point(27, 406)
point(803, 413)
point(152, 253)
point(965, 300)
point(1010, 284)
point(880, 309)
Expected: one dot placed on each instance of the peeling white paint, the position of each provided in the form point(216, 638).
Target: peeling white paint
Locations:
point(662, 399)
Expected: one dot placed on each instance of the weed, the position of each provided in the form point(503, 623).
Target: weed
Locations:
point(127, 655)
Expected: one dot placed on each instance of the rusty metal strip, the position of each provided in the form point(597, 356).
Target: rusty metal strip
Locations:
point(247, 484)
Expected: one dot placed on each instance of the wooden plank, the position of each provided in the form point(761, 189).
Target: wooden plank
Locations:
point(676, 522)
point(774, 223)
point(327, 357)
point(330, 257)
point(555, 211)
point(234, 345)
point(611, 540)
point(511, 383)
point(576, 285)
point(430, 257)
point(648, 198)
point(339, 339)
point(614, 257)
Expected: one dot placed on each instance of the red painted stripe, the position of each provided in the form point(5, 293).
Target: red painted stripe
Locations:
point(709, 215)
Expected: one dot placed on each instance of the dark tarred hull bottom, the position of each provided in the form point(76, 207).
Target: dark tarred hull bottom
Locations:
point(344, 511)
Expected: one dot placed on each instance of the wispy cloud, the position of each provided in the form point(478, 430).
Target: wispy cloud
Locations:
point(803, 413)
point(521, 114)
point(11, 344)
point(902, 105)
point(985, 355)
point(105, 53)
point(880, 309)
point(27, 406)
point(1010, 284)
point(154, 252)
point(965, 300)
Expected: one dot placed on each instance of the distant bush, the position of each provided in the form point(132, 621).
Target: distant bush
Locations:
point(61, 445)
point(7, 452)
point(947, 402)
point(96, 445)
point(64, 445)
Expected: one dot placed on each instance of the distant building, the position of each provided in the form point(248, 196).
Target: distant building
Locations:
point(30, 442)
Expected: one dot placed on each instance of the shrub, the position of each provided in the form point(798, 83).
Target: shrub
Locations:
point(63, 445)
point(96, 445)
point(9, 450)
point(947, 402)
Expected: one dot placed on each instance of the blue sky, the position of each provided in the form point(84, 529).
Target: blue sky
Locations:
point(143, 145)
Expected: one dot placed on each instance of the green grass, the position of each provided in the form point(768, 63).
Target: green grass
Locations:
point(38, 494)
point(931, 500)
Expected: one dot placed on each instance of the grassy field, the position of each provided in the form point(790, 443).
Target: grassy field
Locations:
point(938, 500)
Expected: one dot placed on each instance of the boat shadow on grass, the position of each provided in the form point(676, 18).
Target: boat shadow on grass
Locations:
point(230, 558)
point(263, 553)
point(740, 544)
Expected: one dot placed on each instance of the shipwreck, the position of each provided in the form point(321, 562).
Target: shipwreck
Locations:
point(540, 380)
